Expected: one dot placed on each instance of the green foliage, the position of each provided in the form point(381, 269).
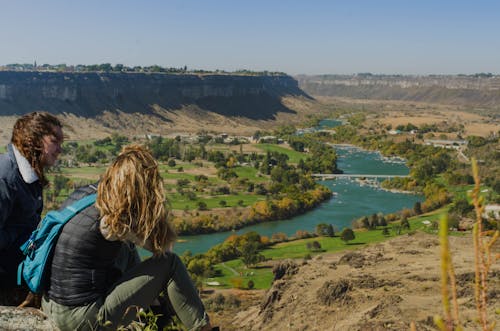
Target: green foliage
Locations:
point(249, 253)
point(325, 230)
point(314, 246)
point(476, 141)
point(202, 205)
point(60, 182)
point(347, 235)
point(405, 224)
point(461, 206)
point(417, 208)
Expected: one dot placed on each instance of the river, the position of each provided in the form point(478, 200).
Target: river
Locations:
point(351, 201)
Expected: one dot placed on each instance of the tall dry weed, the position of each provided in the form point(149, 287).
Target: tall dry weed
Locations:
point(483, 259)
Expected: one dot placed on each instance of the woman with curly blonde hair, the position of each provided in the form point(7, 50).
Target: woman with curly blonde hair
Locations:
point(97, 279)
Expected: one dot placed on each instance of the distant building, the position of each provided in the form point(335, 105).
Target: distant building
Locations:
point(450, 144)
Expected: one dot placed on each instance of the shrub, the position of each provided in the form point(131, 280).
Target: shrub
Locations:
point(347, 235)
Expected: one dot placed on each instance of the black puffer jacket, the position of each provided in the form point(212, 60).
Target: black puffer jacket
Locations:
point(83, 266)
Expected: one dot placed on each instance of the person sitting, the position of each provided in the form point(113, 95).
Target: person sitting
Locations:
point(96, 279)
point(35, 145)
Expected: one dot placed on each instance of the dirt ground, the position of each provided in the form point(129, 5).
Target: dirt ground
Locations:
point(473, 124)
point(384, 286)
point(402, 112)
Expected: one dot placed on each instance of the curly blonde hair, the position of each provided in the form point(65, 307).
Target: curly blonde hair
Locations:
point(131, 198)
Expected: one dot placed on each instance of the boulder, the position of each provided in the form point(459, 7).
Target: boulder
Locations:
point(13, 318)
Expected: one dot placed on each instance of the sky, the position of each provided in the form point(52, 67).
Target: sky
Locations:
point(297, 37)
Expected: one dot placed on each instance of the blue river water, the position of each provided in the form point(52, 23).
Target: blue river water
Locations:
point(351, 201)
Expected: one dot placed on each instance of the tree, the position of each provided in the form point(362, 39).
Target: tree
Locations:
point(347, 235)
point(250, 255)
point(405, 224)
point(382, 221)
point(461, 206)
point(365, 222)
point(321, 229)
point(202, 205)
point(316, 246)
point(330, 232)
point(373, 221)
point(417, 208)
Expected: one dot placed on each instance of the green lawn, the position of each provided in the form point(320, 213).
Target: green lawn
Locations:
point(294, 156)
point(180, 202)
point(84, 172)
point(250, 173)
point(234, 273)
point(297, 249)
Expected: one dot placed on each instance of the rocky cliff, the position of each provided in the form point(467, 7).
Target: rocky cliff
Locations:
point(473, 91)
point(90, 94)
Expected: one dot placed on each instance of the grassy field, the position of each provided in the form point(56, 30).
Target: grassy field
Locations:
point(181, 202)
point(230, 271)
point(86, 172)
point(172, 174)
point(294, 156)
point(250, 173)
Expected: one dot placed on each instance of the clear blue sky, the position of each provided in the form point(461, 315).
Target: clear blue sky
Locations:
point(310, 37)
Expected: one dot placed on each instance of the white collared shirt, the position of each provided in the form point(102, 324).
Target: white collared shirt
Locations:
point(27, 172)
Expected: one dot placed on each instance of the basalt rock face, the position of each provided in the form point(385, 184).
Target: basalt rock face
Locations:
point(90, 94)
point(480, 91)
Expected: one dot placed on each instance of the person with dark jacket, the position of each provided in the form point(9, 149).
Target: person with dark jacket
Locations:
point(35, 145)
point(96, 278)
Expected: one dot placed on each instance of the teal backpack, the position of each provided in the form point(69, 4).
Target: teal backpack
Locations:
point(39, 248)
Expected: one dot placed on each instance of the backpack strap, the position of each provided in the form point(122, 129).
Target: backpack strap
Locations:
point(62, 217)
point(71, 210)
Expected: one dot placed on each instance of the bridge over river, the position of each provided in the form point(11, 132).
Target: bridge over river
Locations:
point(350, 176)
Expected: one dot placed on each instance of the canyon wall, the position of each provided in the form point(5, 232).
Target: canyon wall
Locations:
point(90, 94)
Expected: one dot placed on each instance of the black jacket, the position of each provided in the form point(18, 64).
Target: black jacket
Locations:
point(83, 265)
point(21, 204)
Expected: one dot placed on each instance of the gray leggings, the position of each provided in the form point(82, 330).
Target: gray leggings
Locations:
point(137, 288)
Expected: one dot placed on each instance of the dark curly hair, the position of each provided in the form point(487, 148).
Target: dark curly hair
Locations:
point(27, 136)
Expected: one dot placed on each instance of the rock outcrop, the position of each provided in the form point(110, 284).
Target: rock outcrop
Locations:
point(12, 318)
point(90, 94)
point(478, 91)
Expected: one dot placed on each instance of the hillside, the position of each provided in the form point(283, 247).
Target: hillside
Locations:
point(482, 91)
point(384, 286)
point(96, 104)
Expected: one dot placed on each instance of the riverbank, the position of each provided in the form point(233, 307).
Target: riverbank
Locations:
point(350, 202)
